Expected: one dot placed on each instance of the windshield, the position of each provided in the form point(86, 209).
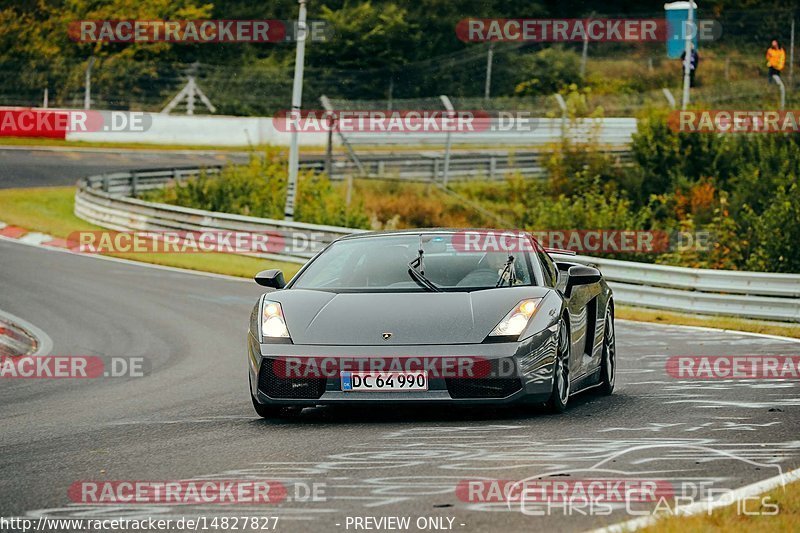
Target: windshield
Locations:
point(381, 263)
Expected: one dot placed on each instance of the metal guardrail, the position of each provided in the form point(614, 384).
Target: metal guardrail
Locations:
point(759, 295)
point(427, 166)
point(608, 131)
point(106, 201)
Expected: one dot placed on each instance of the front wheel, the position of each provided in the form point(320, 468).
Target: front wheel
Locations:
point(608, 365)
point(561, 390)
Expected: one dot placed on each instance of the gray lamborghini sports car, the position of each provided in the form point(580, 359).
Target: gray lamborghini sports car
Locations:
point(440, 316)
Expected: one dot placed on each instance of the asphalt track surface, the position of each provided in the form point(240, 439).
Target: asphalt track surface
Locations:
point(47, 167)
point(191, 417)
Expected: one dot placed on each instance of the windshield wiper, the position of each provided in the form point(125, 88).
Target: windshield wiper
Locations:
point(508, 270)
point(416, 269)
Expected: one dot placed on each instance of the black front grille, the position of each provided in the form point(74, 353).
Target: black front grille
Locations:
point(496, 378)
point(276, 386)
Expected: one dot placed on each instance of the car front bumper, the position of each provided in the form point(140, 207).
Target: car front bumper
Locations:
point(513, 372)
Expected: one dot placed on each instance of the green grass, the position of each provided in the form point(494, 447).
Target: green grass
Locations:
point(50, 210)
point(719, 322)
point(728, 519)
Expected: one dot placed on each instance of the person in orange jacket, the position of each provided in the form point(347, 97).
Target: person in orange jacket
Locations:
point(776, 59)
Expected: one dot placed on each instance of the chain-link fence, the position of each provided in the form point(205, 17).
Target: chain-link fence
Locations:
point(619, 77)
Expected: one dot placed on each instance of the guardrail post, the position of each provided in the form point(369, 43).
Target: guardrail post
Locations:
point(562, 104)
point(134, 183)
point(106, 183)
point(777, 79)
point(492, 167)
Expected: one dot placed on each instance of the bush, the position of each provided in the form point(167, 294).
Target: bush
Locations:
point(259, 189)
point(776, 233)
point(741, 187)
point(552, 69)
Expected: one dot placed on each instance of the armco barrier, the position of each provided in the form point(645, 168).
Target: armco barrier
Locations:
point(105, 201)
point(427, 166)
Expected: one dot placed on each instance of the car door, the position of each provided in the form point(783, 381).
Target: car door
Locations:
point(581, 301)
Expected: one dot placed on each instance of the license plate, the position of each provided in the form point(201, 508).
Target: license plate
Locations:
point(384, 381)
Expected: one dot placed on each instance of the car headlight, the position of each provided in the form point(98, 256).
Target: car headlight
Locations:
point(517, 319)
point(272, 322)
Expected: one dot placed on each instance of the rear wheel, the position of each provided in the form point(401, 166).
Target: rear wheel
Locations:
point(561, 390)
point(608, 365)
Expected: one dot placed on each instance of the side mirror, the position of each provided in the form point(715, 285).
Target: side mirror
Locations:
point(271, 278)
point(583, 275)
point(563, 266)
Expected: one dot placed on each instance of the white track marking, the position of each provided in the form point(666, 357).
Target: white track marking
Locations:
point(35, 238)
point(730, 498)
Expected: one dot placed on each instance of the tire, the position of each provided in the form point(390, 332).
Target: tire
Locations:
point(561, 388)
point(608, 363)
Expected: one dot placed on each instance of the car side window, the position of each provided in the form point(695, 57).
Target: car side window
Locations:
point(548, 268)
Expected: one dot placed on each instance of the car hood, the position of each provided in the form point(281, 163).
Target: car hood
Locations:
point(326, 318)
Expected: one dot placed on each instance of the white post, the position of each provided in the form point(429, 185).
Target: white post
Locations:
point(87, 92)
point(297, 97)
point(669, 97)
point(777, 79)
point(44, 100)
point(687, 50)
point(584, 54)
point(791, 55)
point(562, 104)
point(488, 87)
point(449, 106)
point(190, 94)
